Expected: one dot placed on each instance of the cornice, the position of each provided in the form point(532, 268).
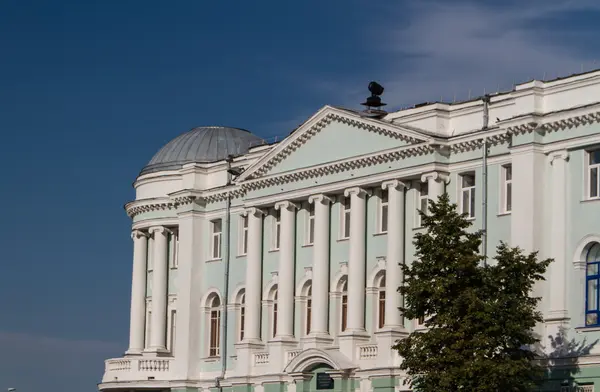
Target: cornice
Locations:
point(340, 166)
point(137, 207)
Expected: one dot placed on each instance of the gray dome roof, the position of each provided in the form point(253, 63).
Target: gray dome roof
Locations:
point(201, 145)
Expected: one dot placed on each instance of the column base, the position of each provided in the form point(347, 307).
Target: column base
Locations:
point(157, 351)
point(349, 340)
point(133, 352)
point(278, 351)
point(245, 355)
point(386, 339)
point(316, 340)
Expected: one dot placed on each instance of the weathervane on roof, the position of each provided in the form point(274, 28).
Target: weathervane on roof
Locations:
point(373, 103)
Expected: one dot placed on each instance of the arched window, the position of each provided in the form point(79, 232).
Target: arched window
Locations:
point(242, 314)
point(344, 315)
point(308, 309)
point(592, 312)
point(215, 326)
point(274, 313)
point(381, 303)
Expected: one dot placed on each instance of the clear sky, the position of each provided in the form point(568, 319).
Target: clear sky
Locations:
point(90, 90)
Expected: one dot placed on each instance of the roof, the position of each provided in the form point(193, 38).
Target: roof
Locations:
point(201, 145)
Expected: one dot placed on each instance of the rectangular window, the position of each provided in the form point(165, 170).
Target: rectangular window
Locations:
point(174, 248)
point(276, 230)
point(467, 204)
point(345, 226)
point(344, 312)
point(594, 174)
point(217, 230)
point(381, 309)
point(243, 235)
point(215, 332)
point(422, 202)
point(383, 212)
point(506, 188)
point(242, 321)
point(310, 225)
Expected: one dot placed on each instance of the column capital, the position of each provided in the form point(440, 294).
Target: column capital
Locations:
point(396, 184)
point(286, 205)
point(561, 154)
point(135, 234)
point(319, 199)
point(159, 229)
point(360, 192)
point(254, 211)
point(435, 175)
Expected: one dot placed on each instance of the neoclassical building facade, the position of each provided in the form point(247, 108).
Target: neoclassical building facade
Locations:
point(264, 267)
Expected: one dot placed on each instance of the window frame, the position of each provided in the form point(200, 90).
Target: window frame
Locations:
point(173, 248)
point(383, 211)
point(216, 239)
point(592, 278)
point(422, 197)
point(172, 330)
point(344, 305)
point(309, 238)
point(506, 188)
point(471, 191)
point(381, 298)
point(243, 235)
point(589, 168)
point(242, 316)
point(274, 312)
point(214, 330)
point(308, 311)
point(276, 230)
point(345, 217)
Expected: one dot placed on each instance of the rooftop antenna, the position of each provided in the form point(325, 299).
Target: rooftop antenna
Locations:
point(373, 103)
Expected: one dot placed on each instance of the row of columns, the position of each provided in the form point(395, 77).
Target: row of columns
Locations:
point(158, 321)
point(320, 268)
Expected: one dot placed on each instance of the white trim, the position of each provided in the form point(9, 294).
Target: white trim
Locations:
point(381, 214)
point(469, 191)
point(242, 239)
point(419, 197)
point(505, 188)
point(309, 223)
point(275, 229)
point(589, 168)
point(216, 239)
point(345, 216)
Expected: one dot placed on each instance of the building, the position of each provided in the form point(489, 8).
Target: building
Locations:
point(274, 267)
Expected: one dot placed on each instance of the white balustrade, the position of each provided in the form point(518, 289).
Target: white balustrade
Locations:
point(136, 369)
point(261, 358)
point(368, 351)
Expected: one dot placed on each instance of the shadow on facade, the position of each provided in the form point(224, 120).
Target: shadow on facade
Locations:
point(563, 373)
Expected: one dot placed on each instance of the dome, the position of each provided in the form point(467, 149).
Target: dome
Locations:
point(202, 145)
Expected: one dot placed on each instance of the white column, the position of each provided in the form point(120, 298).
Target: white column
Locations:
point(285, 287)
point(158, 330)
point(395, 253)
point(254, 276)
point(558, 269)
point(320, 269)
point(137, 322)
point(357, 260)
point(436, 184)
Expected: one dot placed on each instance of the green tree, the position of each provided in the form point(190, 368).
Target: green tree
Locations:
point(479, 318)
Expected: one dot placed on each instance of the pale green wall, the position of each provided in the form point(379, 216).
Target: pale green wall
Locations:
point(319, 148)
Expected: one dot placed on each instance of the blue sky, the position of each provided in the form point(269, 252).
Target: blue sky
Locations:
point(89, 91)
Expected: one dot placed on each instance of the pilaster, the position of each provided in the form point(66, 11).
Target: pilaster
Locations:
point(436, 183)
point(254, 276)
point(189, 313)
point(138, 293)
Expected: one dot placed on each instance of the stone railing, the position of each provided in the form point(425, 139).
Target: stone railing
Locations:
point(134, 369)
point(368, 351)
point(261, 358)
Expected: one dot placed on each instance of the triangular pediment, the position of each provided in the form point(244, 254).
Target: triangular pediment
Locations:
point(332, 135)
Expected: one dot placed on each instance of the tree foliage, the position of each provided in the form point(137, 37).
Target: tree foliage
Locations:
point(479, 318)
